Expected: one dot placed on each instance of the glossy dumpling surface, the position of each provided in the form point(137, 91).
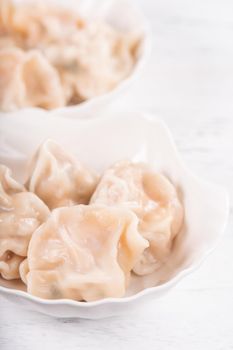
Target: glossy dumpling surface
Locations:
point(21, 213)
point(153, 198)
point(58, 178)
point(83, 253)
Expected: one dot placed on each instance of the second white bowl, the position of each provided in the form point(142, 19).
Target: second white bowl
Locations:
point(99, 143)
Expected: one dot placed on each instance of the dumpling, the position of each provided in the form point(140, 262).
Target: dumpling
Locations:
point(153, 198)
point(93, 60)
point(98, 59)
point(23, 23)
point(11, 87)
point(77, 58)
point(35, 26)
point(28, 79)
point(58, 178)
point(21, 213)
point(83, 253)
point(41, 82)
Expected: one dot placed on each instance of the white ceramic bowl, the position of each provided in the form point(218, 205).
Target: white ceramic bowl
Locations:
point(99, 143)
point(123, 15)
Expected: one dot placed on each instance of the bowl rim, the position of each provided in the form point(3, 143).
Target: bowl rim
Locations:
point(149, 118)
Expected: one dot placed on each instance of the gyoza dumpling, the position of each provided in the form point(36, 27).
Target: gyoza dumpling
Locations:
point(58, 178)
point(153, 199)
point(21, 213)
point(28, 79)
point(83, 253)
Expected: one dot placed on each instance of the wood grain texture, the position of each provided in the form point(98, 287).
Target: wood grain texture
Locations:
point(189, 82)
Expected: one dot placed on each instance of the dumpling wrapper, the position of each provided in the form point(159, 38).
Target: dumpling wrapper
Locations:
point(83, 253)
point(58, 178)
point(34, 25)
point(21, 213)
point(11, 87)
point(94, 62)
point(28, 79)
point(41, 81)
point(153, 198)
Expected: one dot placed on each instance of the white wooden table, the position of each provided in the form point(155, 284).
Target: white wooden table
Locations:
point(189, 82)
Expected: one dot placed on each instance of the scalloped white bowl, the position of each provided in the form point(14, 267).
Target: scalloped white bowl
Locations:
point(99, 143)
point(123, 15)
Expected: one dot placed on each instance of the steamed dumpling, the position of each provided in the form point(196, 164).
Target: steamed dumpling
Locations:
point(11, 87)
point(94, 62)
point(41, 81)
point(77, 58)
point(21, 213)
point(58, 178)
point(153, 199)
point(28, 79)
point(83, 253)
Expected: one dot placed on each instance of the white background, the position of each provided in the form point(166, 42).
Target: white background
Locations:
point(189, 83)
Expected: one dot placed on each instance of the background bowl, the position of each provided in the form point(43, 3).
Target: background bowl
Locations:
point(122, 15)
point(99, 143)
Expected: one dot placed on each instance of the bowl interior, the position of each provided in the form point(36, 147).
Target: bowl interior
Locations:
point(99, 143)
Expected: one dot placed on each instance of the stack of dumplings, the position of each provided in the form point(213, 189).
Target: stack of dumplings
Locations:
point(70, 234)
point(50, 57)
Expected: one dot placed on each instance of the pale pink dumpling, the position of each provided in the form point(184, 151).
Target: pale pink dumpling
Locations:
point(59, 178)
point(21, 213)
point(28, 79)
point(11, 87)
point(83, 253)
point(153, 198)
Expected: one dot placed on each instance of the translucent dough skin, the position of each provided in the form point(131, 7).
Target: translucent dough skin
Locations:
point(21, 213)
point(9, 265)
point(41, 82)
point(153, 199)
point(58, 178)
point(83, 253)
point(28, 79)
